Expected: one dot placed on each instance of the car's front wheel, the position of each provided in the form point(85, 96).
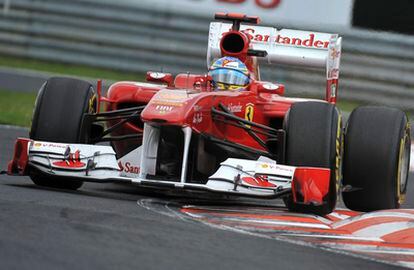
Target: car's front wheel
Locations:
point(59, 109)
point(313, 139)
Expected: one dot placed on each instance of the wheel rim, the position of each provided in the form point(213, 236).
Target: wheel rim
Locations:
point(403, 166)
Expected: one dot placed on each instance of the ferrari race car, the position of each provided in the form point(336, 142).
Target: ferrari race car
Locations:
point(180, 133)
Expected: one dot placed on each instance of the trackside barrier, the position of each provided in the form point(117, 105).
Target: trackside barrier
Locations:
point(135, 36)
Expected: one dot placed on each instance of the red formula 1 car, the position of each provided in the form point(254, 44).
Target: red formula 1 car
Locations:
point(180, 133)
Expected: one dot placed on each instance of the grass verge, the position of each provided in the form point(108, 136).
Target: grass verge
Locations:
point(16, 108)
point(347, 106)
point(69, 69)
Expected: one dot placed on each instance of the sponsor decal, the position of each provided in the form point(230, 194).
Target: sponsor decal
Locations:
point(230, 64)
point(163, 108)
point(333, 73)
point(173, 95)
point(249, 113)
point(234, 108)
point(310, 42)
point(129, 168)
point(51, 145)
point(167, 103)
point(225, 62)
point(250, 32)
point(270, 166)
point(335, 53)
point(198, 118)
point(171, 98)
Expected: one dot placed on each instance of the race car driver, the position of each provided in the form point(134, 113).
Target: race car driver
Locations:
point(229, 73)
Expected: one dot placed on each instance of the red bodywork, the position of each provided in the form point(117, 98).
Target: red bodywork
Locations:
point(167, 106)
point(176, 107)
point(18, 165)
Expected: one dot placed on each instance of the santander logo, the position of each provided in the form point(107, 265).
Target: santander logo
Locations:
point(128, 168)
point(310, 42)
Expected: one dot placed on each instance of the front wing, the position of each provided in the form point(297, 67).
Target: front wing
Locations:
point(261, 178)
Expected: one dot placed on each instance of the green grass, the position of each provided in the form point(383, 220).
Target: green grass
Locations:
point(347, 106)
point(16, 107)
point(69, 69)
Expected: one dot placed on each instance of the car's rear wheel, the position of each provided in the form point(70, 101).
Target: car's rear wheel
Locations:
point(376, 158)
point(57, 117)
point(314, 139)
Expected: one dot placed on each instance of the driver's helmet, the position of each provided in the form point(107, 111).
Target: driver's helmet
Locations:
point(229, 73)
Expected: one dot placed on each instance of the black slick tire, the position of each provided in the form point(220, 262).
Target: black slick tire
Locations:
point(313, 139)
point(376, 158)
point(57, 117)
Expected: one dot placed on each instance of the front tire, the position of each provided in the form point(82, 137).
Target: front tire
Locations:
point(376, 158)
point(57, 117)
point(313, 139)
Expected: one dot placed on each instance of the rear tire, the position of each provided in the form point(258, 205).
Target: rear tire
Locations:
point(57, 117)
point(313, 138)
point(376, 158)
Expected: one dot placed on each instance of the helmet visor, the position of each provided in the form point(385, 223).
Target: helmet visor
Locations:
point(229, 76)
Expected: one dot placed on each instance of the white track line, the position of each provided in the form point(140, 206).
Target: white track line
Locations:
point(412, 157)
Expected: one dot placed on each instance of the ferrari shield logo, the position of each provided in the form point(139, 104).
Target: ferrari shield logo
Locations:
point(249, 113)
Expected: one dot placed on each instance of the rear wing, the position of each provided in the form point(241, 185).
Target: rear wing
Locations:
point(289, 47)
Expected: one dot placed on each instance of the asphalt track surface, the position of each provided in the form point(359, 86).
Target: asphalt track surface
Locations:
point(102, 226)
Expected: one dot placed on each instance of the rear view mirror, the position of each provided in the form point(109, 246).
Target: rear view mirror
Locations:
point(270, 88)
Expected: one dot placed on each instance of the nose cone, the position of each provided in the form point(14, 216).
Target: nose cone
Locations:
point(170, 107)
